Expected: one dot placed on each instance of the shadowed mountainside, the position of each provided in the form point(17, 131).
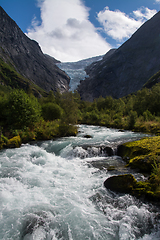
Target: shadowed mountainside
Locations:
point(128, 68)
point(26, 57)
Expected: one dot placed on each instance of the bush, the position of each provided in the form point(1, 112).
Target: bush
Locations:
point(51, 111)
point(21, 110)
point(148, 116)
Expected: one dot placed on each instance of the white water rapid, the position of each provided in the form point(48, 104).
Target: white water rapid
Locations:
point(54, 190)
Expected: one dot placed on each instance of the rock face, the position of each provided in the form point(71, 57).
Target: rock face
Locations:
point(128, 68)
point(27, 58)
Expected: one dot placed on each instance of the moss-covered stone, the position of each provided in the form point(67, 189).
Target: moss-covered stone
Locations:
point(14, 142)
point(127, 184)
point(141, 154)
point(122, 183)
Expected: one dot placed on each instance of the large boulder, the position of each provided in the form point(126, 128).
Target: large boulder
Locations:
point(122, 183)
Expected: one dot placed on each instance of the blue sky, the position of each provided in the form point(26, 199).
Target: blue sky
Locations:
point(71, 30)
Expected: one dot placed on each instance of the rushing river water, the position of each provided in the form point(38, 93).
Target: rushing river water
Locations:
point(54, 190)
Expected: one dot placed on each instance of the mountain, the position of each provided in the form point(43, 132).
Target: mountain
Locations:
point(76, 70)
point(27, 58)
point(128, 68)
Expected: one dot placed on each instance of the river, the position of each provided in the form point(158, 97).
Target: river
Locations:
point(54, 190)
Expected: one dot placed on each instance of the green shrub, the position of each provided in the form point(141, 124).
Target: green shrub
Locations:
point(51, 111)
point(21, 110)
point(148, 116)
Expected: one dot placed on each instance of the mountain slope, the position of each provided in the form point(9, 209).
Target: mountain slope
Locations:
point(27, 58)
point(129, 67)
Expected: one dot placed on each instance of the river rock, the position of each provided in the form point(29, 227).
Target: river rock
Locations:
point(122, 183)
point(101, 150)
point(108, 150)
point(87, 136)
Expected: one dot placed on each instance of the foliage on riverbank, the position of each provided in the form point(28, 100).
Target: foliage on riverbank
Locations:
point(41, 131)
point(138, 112)
point(33, 119)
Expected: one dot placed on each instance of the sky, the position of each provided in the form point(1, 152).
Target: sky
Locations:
point(71, 30)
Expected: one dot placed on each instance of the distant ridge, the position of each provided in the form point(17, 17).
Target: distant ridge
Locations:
point(128, 68)
point(27, 58)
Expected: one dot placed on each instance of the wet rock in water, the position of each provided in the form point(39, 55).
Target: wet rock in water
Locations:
point(108, 151)
point(100, 164)
point(111, 168)
point(87, 136)
point(87, 151)
point(113, 163)
point(32, 223)
point(122, 183)
point(101, 149)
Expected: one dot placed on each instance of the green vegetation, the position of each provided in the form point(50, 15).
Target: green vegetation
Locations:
point(137, 112)
point(142, 153)
point(28, 118)
point(21, 111)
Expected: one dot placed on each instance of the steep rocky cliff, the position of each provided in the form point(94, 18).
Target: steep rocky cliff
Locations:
point(27, 58)
point(128, 68)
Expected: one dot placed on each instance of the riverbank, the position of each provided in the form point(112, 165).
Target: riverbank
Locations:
point(143, 156)
point(44, 130)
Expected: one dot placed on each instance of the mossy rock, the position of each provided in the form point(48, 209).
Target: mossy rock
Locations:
point(127, 184)
point(141, 154)
point(122, 183)
point(14, 142)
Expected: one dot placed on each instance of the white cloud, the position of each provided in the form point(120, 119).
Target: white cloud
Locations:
point(65, 31)
point(157, 1)
point(119, 25)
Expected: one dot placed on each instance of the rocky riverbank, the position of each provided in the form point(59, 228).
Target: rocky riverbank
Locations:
point(142, 155)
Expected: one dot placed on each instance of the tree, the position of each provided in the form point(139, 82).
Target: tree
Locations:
point(51, 111)
point(70, 108)
point(21, 110)
point(132, 119)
